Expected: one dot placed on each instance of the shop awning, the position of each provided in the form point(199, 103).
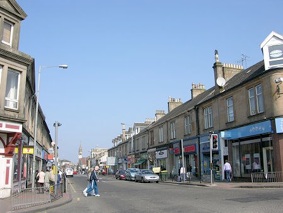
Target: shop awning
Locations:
point(139, 162)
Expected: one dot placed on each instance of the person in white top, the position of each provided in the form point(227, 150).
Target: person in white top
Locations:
point(41, 176)
point(227, 169)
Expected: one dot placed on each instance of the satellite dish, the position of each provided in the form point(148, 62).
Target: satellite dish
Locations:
point(220, 81)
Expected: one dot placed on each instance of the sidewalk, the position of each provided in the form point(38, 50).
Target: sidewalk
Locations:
point(227, 185)
point(67, 197)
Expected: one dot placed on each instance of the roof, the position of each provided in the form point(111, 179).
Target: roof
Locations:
point(237, 80)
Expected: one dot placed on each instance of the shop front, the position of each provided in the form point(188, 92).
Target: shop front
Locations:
point(205, 160)
point(10, 138)
point(190, 155)
point(250, 149)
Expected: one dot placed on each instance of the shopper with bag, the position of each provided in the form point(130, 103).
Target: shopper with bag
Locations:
point(89, 183)
point(93, 183)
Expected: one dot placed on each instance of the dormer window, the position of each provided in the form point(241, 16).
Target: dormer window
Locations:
point(7, 33)
point(275, 55)
point(272, 48)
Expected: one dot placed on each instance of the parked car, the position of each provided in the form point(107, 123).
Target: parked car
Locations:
point(146, 175)
point(120, 174)
point(131, 173)
point(69, 172)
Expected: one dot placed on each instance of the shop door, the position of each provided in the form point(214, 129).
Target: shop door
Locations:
point(267, 153)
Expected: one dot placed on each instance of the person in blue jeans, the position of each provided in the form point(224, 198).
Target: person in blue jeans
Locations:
point(227, 169)
point(93, 183)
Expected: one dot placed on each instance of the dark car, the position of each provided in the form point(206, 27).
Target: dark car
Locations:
point(120, 174)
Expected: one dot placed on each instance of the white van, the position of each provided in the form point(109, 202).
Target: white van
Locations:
point(69, 172)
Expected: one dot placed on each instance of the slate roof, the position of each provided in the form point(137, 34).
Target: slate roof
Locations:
point(237, 80)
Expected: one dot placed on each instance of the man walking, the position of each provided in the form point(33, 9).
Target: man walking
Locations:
point(93, 183)
point(227, 170)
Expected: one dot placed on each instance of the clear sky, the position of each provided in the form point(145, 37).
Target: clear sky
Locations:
point(126, 57)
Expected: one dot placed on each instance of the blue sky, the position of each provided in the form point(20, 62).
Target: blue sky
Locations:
point(126, 57)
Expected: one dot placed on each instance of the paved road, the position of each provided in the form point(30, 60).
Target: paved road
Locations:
point(130, 197)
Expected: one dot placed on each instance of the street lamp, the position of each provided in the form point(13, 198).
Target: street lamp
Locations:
point(56, 125)
point(36, 116)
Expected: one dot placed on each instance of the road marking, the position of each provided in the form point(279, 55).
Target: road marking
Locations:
point(72, 186)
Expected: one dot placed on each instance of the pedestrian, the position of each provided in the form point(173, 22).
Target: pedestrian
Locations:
point(41, 177)
point(93, 182)
point(36, 178)
point(58, 178)
point(89, 183)
point(227, 170)
point(47, 180)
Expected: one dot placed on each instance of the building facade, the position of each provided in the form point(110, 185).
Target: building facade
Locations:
point(244, 112)
point(17, 107)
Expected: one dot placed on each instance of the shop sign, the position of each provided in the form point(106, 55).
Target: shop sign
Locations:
point(249, 130)
point(279, 125)
point(161, 154)
point(26, 150)
point(190, 149)
point(10, 127)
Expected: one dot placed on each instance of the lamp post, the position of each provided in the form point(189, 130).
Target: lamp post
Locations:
point(36, 116)
point(56, 125)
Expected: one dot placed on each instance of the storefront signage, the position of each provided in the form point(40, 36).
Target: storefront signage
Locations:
point(249, 130)
point(279, 125)
point(10, 127)
point(26, 150)
point(190, 149)
point(161, 154)
point(177, 151)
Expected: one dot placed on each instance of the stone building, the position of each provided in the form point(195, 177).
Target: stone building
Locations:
point(17, 107)
point(244, 112)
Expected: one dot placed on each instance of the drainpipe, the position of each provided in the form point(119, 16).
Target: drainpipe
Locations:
point(198, 135)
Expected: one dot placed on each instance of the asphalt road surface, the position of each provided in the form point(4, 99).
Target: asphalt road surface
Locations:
point(119, 196)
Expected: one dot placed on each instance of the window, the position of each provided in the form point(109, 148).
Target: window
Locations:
point(256, 100)
point(172, 130)
point(275, 55)
point(230, 109)
point(1, 68)
point(208, 118)
point(7, 33)
point(143, 143)
point(188, 125)
point(12, 89)
point(151, 138)
point(137, 148)
point(160, 134)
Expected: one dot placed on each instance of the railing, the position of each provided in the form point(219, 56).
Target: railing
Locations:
point(36, 196)
point(267, 177)
point(30, 197)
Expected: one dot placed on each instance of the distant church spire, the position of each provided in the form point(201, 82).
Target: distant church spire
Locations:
point(80, 151)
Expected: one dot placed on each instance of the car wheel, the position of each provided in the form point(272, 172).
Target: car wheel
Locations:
point(156, 181)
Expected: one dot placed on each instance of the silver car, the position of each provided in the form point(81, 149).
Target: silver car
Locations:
point(131, 173)
point(146, 175)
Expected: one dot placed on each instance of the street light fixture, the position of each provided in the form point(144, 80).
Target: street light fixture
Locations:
point(56, 125)
point(63, 66)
